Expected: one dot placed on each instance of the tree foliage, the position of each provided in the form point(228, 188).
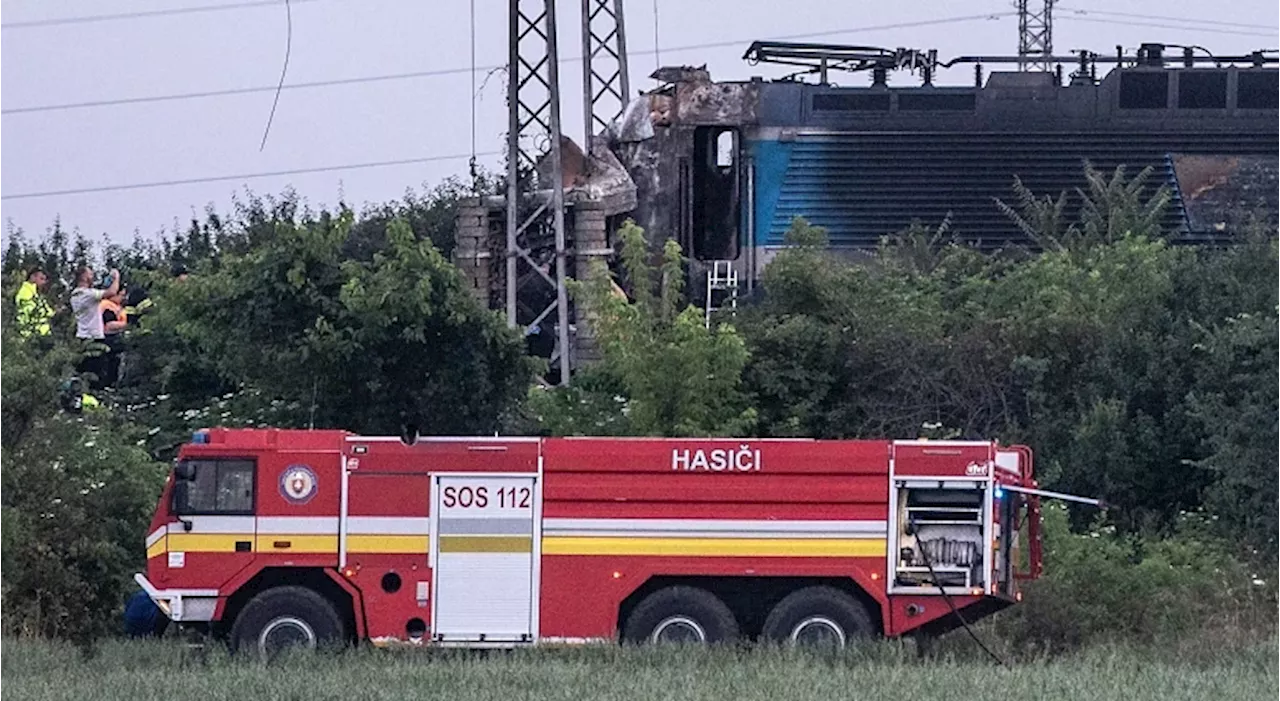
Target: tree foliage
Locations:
point(365, 345)
point(78, 492)
point(1234, 400)
point(875, 348)
point(1109, 209)
point(663, 373)
point(1140, 372)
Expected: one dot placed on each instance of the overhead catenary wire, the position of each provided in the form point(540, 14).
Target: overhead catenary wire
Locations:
point(243, 176)
point(230, 91)
point(1159, 18)
point(1157, 25)
point(412, 75)
point(88, 104)
point(141, 14)
point(423, 74)
point(288, 50)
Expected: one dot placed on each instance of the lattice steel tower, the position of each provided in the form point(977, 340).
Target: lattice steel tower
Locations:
point(536, 243)
point(1035, 35)
point(605, 85)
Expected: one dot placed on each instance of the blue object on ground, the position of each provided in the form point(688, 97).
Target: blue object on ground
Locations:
point(141, 616)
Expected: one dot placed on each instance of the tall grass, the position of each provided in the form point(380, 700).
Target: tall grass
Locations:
point(167, 670)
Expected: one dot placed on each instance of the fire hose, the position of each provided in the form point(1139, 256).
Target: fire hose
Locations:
point(924, 553)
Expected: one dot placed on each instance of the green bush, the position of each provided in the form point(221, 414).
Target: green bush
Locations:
point(1185, 592)
point(78, 493)
point(363, 345)
point(77, 500)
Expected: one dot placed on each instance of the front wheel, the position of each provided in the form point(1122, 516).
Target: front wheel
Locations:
point(286, 617)
point(818, 617)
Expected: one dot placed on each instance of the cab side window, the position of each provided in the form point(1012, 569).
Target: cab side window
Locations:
point(217, 487)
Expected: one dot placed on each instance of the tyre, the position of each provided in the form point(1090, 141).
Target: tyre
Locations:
point(819, 617)
point(681, 615)
point(285, 617)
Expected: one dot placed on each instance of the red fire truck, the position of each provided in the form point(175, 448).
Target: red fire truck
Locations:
point(281, 537)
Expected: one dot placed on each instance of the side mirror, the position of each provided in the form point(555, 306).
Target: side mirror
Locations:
point(184, 472)
point(181, 493)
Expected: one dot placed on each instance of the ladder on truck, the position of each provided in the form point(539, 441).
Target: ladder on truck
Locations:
point(721, 278)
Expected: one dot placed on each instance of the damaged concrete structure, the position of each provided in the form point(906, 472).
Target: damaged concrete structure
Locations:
point(597, 192)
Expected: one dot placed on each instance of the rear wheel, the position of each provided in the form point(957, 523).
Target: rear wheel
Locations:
point(818, 617)
point(681, 615)
point(283, 618)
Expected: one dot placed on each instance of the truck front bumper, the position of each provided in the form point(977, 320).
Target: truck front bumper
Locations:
point(181, 604)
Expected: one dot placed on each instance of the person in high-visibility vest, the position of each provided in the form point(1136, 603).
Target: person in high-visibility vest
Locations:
point(34, 311)
point(114, 322)
point(73, 397)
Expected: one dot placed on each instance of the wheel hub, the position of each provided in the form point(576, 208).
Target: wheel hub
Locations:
point(285, 632)
point(818, 632)
point(678, 629)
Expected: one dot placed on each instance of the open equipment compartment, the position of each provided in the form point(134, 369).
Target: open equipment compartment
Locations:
point(941, 535)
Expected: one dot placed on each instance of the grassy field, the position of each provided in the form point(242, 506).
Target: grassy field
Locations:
point(166, 671)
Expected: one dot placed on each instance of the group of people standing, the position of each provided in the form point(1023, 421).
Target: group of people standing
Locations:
point(102, 315)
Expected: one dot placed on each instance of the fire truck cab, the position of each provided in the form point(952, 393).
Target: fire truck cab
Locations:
point(271, 538)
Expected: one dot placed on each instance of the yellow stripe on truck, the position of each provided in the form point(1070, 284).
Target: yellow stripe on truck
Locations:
point(714, 547)
point(551, 545)
point(298, 543)
point(394, 544)
point(206, 542)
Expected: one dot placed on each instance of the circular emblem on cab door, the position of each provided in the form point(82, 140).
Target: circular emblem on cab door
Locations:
point(298, 484)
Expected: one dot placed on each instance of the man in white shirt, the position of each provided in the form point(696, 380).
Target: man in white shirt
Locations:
point(84, 303)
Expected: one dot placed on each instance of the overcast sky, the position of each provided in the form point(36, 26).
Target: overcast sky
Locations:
point(47, 64)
